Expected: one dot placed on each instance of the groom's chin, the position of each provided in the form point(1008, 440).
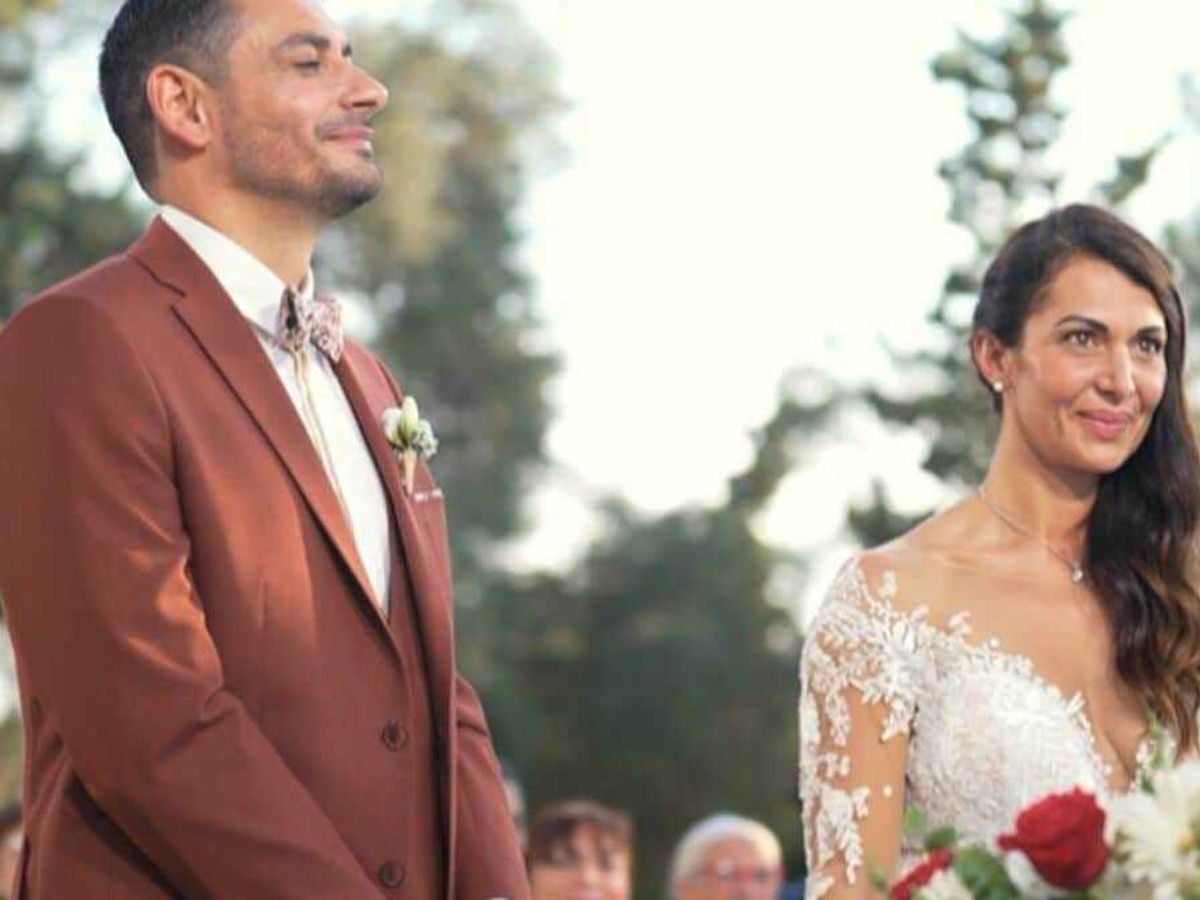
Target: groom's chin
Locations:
point(344, 194)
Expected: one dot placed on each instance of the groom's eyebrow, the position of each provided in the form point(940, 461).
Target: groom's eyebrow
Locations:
point(319, 42)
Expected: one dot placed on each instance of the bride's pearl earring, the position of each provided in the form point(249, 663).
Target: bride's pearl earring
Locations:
point(998, 387)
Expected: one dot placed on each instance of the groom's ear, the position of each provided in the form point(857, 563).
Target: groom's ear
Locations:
point(181, 103)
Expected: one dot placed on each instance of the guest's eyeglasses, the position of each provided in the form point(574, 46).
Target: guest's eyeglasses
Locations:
point(728, 872)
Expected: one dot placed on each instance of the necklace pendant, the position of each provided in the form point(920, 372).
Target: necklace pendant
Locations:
point(1077, 574)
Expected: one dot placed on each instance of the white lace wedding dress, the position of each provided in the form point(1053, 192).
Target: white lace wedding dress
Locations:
point(987, 735)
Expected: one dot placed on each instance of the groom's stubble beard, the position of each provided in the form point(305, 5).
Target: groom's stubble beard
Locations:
point(274, 164)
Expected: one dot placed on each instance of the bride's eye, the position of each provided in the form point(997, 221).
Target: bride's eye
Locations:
point(1151, 346)
point(1080, 338)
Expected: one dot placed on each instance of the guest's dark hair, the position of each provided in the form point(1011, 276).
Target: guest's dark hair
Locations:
point(1141, 532)
point(10, 817)
point(555, 826)
point(195, 34)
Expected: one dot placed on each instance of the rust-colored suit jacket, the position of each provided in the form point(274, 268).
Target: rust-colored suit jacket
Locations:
point(203, 676)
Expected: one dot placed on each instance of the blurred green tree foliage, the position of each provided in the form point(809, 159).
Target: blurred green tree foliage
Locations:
point(53, 224)
point(657, 675)
point(1182, 238)
point(14, 12)
point(471, 118)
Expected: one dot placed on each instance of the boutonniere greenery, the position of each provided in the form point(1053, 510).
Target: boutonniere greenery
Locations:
point(411, 437)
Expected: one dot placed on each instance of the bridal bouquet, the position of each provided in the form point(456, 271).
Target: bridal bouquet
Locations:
point(1146, 845)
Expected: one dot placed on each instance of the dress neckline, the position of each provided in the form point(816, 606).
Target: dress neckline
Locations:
point(1075, 707)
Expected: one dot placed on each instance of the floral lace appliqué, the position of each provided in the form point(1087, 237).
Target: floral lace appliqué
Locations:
point(987, 735)
point(859, 642)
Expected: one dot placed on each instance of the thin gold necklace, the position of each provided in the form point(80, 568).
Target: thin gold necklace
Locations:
point(1076, 567)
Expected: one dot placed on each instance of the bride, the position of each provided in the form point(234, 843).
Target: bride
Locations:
point(1019, 642)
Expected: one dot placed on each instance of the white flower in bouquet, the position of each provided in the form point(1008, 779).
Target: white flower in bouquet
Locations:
point(945, 885)
point(1025, 877)
point(1178, 792)
point(1154, 834)
point(1148, 843)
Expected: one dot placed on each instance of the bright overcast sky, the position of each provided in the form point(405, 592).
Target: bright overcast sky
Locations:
point(751, 187)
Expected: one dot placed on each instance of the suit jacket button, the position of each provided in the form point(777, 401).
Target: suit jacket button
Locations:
point(391, 875)
point(394, 735)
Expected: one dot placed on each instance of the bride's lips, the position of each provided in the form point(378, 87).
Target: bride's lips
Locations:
point(1107, 425)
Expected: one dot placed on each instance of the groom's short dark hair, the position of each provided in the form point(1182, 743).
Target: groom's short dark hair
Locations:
point(195, 34)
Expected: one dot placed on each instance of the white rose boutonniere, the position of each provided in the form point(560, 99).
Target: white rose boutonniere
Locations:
point(411, 437)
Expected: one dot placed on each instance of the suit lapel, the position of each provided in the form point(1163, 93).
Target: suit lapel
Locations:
point(430, 587)
point(230, 342)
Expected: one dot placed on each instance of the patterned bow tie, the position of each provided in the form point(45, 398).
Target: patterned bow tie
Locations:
point(318, 322)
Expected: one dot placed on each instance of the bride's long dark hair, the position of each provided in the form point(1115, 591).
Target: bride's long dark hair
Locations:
point(1140, 553)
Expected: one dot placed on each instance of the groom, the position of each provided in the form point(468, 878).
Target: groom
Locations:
point(231, 608)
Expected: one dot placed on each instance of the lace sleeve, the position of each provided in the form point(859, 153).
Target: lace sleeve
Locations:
point(860, 672)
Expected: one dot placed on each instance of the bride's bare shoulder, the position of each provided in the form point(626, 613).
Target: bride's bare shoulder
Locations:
point(922, 567)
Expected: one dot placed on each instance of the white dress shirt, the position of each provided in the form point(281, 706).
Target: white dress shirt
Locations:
point(313, 386)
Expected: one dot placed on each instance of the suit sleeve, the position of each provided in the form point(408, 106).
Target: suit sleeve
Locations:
point(489, 860)
point(110, 632)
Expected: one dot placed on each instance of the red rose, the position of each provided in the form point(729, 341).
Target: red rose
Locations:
point(1063, 836)
point(922, 874)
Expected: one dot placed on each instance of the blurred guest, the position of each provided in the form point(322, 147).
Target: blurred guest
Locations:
point(515, 794)
point(580, 850)
point(12, 836)
point(726, 857)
